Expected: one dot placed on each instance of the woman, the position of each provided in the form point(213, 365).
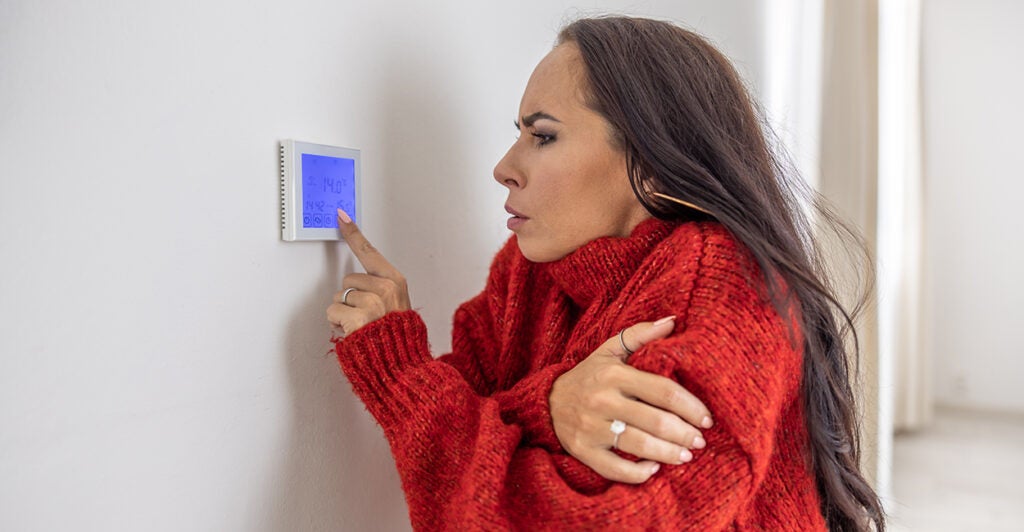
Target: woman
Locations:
point(641, 187)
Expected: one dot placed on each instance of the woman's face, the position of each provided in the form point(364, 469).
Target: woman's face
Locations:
point(567, 182)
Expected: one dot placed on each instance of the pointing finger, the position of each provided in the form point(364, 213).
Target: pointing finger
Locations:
point(367, 255)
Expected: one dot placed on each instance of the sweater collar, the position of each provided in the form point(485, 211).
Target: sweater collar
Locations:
point(602, 266)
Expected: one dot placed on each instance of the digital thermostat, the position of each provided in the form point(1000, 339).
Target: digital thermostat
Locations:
point(317, 180)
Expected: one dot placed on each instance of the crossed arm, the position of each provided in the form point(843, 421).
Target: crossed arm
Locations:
point(461, 462)
point(662, 417)
point(486, 461)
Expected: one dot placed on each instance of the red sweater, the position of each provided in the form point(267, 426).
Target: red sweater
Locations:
point(471, 431)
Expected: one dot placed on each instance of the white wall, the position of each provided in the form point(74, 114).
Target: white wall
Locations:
point(974, 181)
point(163, 355)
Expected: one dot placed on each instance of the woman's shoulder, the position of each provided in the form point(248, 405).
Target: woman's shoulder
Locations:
point(704, 271)
point(706, 249)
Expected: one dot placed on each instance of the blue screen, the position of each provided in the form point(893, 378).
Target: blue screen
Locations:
point(328, 183)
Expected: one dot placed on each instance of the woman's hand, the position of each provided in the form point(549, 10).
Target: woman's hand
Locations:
point(366, 297)
point(661, 417)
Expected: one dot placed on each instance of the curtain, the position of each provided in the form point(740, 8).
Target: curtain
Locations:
point(844, 97)
point(902, 310)
point(848, 178)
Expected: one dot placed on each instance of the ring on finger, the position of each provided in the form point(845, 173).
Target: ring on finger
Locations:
point(622, 342)
point(344, 296)
point(617, 428)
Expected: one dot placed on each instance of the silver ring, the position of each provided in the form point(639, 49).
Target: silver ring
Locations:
point(623, 343)
point(344, 296)
point(617, 428)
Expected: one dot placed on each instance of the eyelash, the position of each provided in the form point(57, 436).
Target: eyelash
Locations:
point(544, 139)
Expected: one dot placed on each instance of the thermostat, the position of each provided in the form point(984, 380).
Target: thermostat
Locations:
point(317, 180)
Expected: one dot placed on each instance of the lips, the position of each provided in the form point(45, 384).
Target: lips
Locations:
point(514, 212)
point(516, 220)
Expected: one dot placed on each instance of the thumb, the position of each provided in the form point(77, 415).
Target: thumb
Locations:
point(634, 337)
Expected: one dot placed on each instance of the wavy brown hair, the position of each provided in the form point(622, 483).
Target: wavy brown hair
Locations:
point(691, 131)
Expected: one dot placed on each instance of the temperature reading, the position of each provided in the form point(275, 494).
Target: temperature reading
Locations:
point(336, 186)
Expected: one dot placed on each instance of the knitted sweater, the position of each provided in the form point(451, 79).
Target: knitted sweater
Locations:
point(471, 431)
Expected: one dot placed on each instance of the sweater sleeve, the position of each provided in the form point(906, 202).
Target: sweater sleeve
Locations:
point(464, 464)
point(475, 347)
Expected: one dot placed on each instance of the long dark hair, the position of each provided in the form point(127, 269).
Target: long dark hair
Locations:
point(690, 131)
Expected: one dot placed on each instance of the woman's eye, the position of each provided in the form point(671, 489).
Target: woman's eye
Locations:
point(543, 139)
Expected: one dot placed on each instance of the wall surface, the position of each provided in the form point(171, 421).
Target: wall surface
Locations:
point(974, 179)
point(163, 354)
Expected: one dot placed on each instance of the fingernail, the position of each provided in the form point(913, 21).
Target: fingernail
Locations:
point(663, 321)
point(685, 456)
point(699, 443)
point(706, 422)
point(344, 216)
point(655, 468)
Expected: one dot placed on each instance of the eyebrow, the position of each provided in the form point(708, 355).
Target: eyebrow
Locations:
point(530, 119)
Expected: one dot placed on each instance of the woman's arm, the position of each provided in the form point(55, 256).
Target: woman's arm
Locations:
point(556, 404)
point(603, 389)
point(475, 347)
point(463, 465)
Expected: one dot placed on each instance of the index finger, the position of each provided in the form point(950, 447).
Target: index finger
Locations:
point(367, 255)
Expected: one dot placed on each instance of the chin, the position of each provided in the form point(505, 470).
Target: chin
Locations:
point(539, 252)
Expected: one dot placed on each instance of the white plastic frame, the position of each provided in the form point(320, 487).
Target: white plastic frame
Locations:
point(291, 188)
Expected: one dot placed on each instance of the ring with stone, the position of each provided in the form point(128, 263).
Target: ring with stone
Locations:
point(617, 428)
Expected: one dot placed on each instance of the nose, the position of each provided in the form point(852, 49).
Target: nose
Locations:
point(506, 171)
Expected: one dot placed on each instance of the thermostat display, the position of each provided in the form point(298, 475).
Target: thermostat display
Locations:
point(317, 180)
point(328, 183)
